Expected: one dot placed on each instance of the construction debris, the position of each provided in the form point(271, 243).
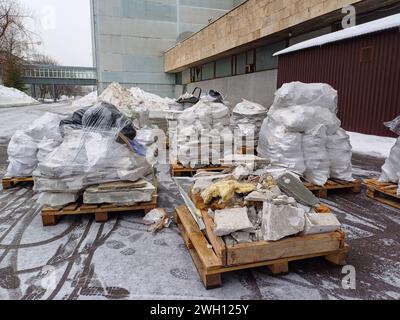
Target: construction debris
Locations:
point(303, 132)
point(228, 221)
point(158, 219)
point(270, 206)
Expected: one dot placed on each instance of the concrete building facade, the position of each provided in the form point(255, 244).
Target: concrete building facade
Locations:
point(131, 36)
point(234, 54)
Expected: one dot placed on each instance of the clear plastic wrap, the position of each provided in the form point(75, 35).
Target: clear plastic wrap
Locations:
point(90, 154)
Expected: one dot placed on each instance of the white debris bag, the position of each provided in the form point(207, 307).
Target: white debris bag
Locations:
point(391, 168)
point(316, 156)
point(247, 118)
point(28, 147)
point(306, 94)
point(281, 146)
point(340, 154)
point(304, 118)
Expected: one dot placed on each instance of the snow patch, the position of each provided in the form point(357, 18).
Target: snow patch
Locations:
point(11, 97)
point(369, 145)
point(86, 101)
point(356, 31)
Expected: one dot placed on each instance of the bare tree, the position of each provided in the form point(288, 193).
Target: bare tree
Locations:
point(15, 38)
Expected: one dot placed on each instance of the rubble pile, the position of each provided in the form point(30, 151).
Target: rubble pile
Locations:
point(303, 132)
point(199, 138)
point(266, 204)
point(391, 168)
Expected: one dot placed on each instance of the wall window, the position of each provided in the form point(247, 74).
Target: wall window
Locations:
point(244, 63)
point(195, 74)
point(207, 71)
point(178, 78)
point(186, 76)
point(223, 67)
point(240, 63)
point(264, 56)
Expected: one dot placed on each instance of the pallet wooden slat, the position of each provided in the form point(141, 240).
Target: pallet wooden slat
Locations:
point(274, 255)
point(383, 192)
point(50, 216)
point(333, 184)
point(179, 170)
point(11, 182)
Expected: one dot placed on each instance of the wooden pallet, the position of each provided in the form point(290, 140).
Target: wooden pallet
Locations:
point(212, 257)
point(383, 192)
point(333, 184)
point(179, 170)
point(9, 183)
point(246, 150)
point(51, 216)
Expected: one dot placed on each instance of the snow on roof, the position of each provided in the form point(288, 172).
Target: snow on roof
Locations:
point(362, 29)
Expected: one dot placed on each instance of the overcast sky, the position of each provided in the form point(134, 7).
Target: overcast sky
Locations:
point(64, 27)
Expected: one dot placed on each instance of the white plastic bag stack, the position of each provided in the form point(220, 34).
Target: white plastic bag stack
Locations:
point(303, 132)
point(247, 119)
point(28, 147)
point(200, 132)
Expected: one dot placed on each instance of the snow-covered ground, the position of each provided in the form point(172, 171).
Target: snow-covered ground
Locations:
point(373, 146)
point(85, 101)
point(13, 119)
point(13, 97)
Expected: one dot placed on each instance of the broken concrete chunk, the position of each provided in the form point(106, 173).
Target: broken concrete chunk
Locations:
point(229, 241)
point(276, 191)
point(57, 200)
point(241, 171)
point(279, 222)
point(320, 223)
point(242, 237)
point(231, 220)
point(154, 216)
point(291, 185)
point(260, 196)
